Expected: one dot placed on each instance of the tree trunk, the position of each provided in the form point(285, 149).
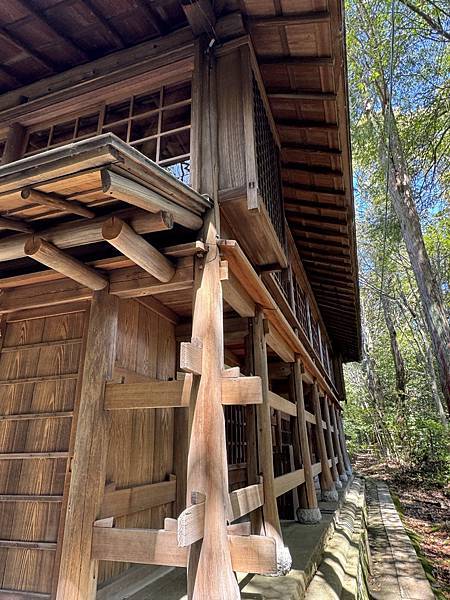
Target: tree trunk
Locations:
point(399, 364)
point(401, 195)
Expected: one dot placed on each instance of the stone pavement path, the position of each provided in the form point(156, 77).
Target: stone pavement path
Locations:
point(396, 571)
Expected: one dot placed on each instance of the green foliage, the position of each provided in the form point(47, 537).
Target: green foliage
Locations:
point(407, 426)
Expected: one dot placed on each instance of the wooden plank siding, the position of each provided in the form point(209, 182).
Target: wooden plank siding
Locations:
point(22, 568)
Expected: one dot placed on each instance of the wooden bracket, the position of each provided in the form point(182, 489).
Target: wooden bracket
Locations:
point(191, 356)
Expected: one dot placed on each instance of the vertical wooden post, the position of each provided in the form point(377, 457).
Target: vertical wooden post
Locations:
point(256, 517)
point(329, 493)
point(272, 526)
point(14, 144)
point(210, 574)
point(78, 572)
point(310, 513)
point(337, 444)
point(345, 456)
point(329, 443)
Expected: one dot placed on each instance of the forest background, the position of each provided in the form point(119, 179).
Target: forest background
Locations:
point(398, 402)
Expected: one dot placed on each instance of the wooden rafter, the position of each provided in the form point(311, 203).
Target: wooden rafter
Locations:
point(314, 189)
point(15, 225)
point(315, 169)
point(35, 54)
point(296, 61)
point(291, 19)
point(315, 148)
point(290, 94)
point(113, 31)
point(306, 124)
point(55, 201)
point(51, 24)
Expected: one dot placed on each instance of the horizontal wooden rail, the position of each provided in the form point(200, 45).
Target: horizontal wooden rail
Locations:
point(48, 344)
point(176, 394)
point(245, 500)
point(17, 595)
point(316, 468)
point(28, 545)
point(32, 416)
point(32, 455)
point(29, 498)
point(279, 403)
point(39, 378)
point(127, 501)
point(310, 418)
point(241, 267)
point(249, 554)
point(288, 481)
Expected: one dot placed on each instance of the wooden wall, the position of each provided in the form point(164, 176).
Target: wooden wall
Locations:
point(40, 359)
point(141, 441)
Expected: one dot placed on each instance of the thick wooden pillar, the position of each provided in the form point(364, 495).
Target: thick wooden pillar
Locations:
point(345, 456)
point(210, 574)
point(14, 144)
point(337, 444)
point(309, 511)
point(328, 488)
point(329, 443)
point(78, 572)
point(271, 525)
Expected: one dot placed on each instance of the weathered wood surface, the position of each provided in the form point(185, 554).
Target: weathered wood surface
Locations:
point(78, 572)
point(31, 491)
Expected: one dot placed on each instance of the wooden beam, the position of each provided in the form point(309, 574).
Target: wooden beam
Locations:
point(54, 201)
point(47, 254)
point(245, 500)
point(15, 225)
point(314, 169)
point(82, 232)
point(191, 523)
point(117, 503)
point(326, 481)
point(175, 394)
point(111, 30)
point(294, 95)
point(285, 483)
point(241, 390)
point(152, 394)
point(249, 554)
point(290, 186)
point(78, 569)
point(200, 15)
point(319, 16)
point(129, 191)
point(314, 148)
point(306, 124)
point(235, 295)
point(278, 344)
point(191, 357)
point(32, 52)
point(279, 403)
point(295, 61)
point(128, 242)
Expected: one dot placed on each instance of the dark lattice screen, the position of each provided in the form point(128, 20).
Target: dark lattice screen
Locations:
point(236, 435)
point(315, 335)
point(282, 278)
point(300, 306)
point(268, 165)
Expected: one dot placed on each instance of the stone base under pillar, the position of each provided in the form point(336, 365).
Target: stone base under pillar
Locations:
point(309, 515)
point(343, 477)
point(330, 496)
point(338, 484)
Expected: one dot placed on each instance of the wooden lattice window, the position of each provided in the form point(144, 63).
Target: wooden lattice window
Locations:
point(268, 166)
point(282, 278)
point(236, 435)
point(315, 335)
point(301, 309)
point(158, 123)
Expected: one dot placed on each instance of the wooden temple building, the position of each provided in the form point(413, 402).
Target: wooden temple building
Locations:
point(178, 287)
